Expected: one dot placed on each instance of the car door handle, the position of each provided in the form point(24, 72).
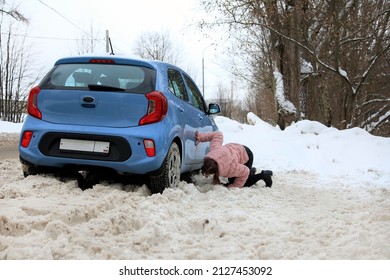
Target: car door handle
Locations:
point(180, 108)
point(200, 116)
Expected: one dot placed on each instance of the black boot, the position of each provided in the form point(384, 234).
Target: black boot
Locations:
point(266, 176)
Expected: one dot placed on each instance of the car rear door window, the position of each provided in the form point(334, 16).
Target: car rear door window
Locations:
point(128, 78)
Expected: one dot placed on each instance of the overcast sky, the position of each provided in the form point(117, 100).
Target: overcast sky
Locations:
point(55, 25)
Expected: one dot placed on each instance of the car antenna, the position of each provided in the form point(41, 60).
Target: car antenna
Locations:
point(112, 50)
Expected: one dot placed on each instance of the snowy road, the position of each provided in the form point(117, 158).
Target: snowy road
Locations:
point(9, 146)
point(299, 218)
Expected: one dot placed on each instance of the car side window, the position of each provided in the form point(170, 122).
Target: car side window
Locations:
point(195, 96)
point(176, 84)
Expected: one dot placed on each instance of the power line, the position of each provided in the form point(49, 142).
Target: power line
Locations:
point(69, 21)
point(48, 38)
point(65, 18)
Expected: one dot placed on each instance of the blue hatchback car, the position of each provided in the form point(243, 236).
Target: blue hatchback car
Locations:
point(128, 116)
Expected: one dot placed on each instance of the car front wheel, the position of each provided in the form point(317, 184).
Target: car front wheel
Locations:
point(170, 176)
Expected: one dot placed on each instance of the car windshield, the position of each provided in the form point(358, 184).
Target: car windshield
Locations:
point(101, 77)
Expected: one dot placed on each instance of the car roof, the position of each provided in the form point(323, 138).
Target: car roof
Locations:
point(121, 60)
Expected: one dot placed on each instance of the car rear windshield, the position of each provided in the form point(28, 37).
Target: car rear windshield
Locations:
point(101, 77)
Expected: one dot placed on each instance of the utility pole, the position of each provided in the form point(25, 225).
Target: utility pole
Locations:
point(107, 42)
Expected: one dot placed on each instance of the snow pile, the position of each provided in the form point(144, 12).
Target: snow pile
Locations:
point(10, 127)
point(309, 146)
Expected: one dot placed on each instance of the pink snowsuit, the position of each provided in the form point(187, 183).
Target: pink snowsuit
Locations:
point(230, 158)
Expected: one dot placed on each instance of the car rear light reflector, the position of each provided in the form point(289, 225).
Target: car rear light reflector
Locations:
point(157, 108)
point(26, 138)
point(32, 104)
point(149, 147)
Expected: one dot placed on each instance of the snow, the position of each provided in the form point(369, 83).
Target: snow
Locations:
point(330, 201)
point(343, 73)
point(380, 119)
point(285, 104)
point(306, 67)
point(10, 127)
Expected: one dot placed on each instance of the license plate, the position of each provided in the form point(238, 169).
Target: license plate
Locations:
point(85, 146)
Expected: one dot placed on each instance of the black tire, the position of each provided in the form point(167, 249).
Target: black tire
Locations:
point(170, 176)
point(29, 169)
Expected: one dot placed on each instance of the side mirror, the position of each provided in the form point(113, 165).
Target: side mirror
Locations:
point(214, 109)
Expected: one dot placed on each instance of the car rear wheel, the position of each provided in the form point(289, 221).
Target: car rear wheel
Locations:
point(29, 169)
point(170, 176)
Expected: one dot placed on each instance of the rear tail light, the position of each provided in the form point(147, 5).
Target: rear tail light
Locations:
point(149, 147)
point(26, 138)
point(32, 105)
point(102, 61)
point(157, 108)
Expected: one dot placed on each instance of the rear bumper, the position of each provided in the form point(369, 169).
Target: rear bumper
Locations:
point(127, 153)
point(119, 149)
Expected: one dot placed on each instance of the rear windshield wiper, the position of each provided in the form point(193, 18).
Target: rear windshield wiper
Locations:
point(104, 88)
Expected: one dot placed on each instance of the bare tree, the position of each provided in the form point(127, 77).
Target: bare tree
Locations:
point(265, 53)
point(348, 45)
point(16, 74)
point(159, 46)
point(87, 42)
point(344, 43)
point(11, 11)
point(230, 106)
